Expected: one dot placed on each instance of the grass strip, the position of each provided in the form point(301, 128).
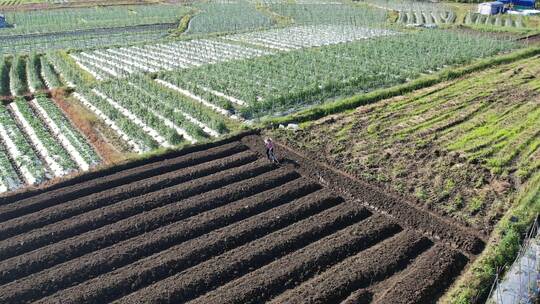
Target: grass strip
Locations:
point(474, 285)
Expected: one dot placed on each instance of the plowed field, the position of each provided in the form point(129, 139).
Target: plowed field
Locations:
point(221, 224)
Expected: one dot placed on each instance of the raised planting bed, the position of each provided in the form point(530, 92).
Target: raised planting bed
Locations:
point(221, 224)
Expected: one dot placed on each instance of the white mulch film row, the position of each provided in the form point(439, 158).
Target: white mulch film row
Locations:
point(136, 120)
point(45, 79)
point(227, 97)
point(197, 98)
point(178, 129)
point(119, 62)
point(59, 134)
point(28, 164)
point(9, 179)
point(12, 89)
point(136, 147)
point(197, 122)
point(31, 88)
point(62, 76)
point(292, 38)
point(51, 163)
point(169, 123)
point(89, 67)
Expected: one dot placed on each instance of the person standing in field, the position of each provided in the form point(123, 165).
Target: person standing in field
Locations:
point(270, 150)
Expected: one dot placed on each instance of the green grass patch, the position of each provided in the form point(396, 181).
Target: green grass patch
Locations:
point(474, 286)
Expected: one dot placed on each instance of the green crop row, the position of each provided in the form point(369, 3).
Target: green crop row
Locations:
point(345, 104)
point(295, 80)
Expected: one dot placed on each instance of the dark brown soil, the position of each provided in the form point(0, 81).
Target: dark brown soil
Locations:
point(531, 39)
point(435, 268)
point(224, 225)
point(373, 264)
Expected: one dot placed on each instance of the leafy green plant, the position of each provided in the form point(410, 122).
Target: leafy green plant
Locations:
point(49, 74)
point(17, 76)
point(5, 67)
point(33, 68)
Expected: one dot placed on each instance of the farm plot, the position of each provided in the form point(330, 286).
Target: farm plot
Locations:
point(120, 62)
point(412, 17)
point(83, 39)
point(147, 115)
point(72, 19)
point(26, 75)
point(215, 17)
point(461, 148)
point(219, 224)
point(68, 70)
point(288, 39)
point(38, 143)
point(418, 12)
point(31, 168)
point(494, 21)
point(329, 13)
point(288, 81)
point(21, 2)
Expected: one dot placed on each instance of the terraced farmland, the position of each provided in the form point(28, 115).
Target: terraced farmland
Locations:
point(219, 224)
point(27, 75)
point(39, 143)
point(98, 17)
point(170, 94)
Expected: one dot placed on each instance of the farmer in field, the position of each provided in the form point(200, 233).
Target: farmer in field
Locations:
point(270, 150)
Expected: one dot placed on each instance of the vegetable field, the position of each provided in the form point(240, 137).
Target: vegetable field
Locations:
point(38, 143)
point(218, 224)
point(216, 17)
point(27, 75)
point(329, 13)
point(140, 96)
point(275, 74)
point(103, 64)
point(68, 20)
point(292, 80)
point(83, 39)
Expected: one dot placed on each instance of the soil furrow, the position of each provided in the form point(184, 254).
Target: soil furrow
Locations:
point(289, 271)
point(99, 217)
point(49, 256)
point(57, 196)
point(429, 275)
point(406, 213)
point(177, 235)
point(371, 265)
point(361, 296)
point(167, 263)
point(201, 173)
point(232, 264)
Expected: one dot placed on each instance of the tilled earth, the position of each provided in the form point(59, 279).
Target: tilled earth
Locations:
point(221, 224)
